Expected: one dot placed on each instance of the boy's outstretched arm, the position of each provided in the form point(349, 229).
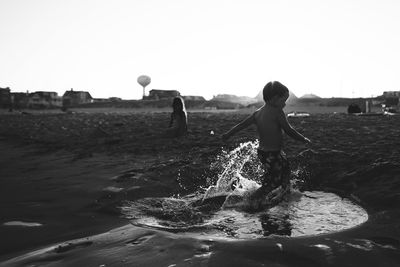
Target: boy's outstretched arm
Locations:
point(290, 131)
point(242, 125)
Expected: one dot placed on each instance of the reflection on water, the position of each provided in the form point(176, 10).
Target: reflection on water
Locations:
point(318, 212)
point(307, 213)
point(221, 211)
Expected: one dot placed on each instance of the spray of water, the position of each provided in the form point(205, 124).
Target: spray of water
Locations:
point(234, 175)
point(239, 179)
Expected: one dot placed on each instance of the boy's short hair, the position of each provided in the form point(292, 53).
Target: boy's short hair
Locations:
point(272, 89)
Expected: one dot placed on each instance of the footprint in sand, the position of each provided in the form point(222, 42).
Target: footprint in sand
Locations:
point(139, 240)
point(386, 242)
point(128, 175)
point(204, 250)
point(72, 245)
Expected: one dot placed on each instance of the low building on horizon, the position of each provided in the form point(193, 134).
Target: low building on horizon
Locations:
point(20, 100)
point(391, 98)
point(391, 94)
point(72, 98)
point(115, 99)
point(105, 100)
point(44, 99)
point(157, 94)
point(5, 97)
point(193, 97)
point(100, 100)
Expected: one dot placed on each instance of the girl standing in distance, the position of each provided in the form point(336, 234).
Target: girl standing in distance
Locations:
point(178, 122)
point(271, 121)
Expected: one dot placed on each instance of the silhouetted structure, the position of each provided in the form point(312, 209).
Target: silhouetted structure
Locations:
point(156, 94)
point(5, 97)
point(391, 94)
point(20, 100)
point(193, 97)
point(353, 108)
point(72, 98)
point(391, 98)
point(42, 99)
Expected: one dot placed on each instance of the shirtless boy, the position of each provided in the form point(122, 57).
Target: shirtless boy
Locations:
point(271, 121)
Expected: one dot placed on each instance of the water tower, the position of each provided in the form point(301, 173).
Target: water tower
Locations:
point(144, 80)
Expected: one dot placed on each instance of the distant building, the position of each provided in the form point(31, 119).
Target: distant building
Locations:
point(391, 94)
point(72, 98)
point(391, 98)
point(156, 94)
point(115, 99)
point(193, 97)
point(100, 100)
point(20, 100)
point(5, 97)
point(42, 99)
point(104, 100)
point(376, 102)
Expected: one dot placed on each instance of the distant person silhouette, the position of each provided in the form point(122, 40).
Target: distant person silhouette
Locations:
point(178, 123)
point(270, 120)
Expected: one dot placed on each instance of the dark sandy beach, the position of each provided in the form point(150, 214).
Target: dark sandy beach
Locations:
point(69, 172)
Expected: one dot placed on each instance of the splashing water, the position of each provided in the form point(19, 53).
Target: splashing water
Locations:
point(231, 183)
point(221, 211)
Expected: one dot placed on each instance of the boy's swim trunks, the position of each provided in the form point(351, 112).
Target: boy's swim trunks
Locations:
point(276, 168)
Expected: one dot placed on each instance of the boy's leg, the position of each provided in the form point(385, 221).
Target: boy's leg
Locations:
point(267, 160)
point(276, 173)
point(273, 170)
point(276, 170)
point(285, 170)
point(280, 170)
point(258, 197)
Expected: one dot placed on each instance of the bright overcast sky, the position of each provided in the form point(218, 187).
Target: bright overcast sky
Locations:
point(206, 47)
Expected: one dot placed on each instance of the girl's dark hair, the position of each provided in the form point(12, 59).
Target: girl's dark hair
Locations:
point(178, 105)
point(272, 89)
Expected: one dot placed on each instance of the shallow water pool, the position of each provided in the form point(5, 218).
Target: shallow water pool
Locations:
point(300, 214)
point(223, 216)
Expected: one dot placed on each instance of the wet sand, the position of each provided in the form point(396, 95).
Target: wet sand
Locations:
point(70, 172)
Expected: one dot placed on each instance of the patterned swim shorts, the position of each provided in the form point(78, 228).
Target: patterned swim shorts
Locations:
point(276, 168)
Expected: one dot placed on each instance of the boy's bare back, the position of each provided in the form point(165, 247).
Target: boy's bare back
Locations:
point(269, 129)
